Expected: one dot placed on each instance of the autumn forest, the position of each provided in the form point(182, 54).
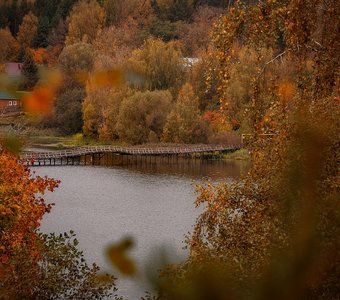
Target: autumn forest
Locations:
point(264, 74)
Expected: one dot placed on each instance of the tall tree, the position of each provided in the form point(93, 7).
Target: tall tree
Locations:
point(195, 35)
point(68, 110)
point(118, 10)
point(64, 8)
point(101, 110)
point(29, 72)
point(159, 64)
point(184, 123)
point(46, 8)
point(272, 235)
point(173, 10)
point(85, 19)
point(27, 30)
point(12, 13)
point(75, 61)
point(142, 116)
point(40, 40)
point(9, 47)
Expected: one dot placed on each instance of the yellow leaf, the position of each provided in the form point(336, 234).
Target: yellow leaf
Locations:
point(118, 257)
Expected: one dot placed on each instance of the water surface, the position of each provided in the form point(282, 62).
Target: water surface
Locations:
point(152, 201)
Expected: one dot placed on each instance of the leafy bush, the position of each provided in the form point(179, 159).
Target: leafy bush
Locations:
point(143, 115)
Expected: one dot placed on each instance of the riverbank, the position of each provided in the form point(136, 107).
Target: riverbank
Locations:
point(51, 141)
point(48, 139)
point(241, 155)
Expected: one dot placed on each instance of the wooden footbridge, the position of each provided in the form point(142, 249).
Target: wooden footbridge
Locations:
point(91, 155)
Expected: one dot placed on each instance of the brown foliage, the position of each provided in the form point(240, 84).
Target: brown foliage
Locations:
point(9, 47)
point(272, 235)
point(85, 19)
point(27, 30)
point(195, 35)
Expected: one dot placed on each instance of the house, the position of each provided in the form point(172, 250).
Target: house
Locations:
point(13, 69)
point(8, 100)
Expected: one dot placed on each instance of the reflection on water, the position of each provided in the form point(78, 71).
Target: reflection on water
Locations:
point(174, 165)
point(151, 199)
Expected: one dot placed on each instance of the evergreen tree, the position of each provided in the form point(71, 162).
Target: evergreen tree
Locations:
point(12, 20)
point(46, 9)
point(216, 3)
point(64, 7)
point(29, 72)
point(181, 10)
point(42, 33)
point(12, 13)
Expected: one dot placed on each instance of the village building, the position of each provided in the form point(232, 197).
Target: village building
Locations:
point(13, 69)
point(9, 100)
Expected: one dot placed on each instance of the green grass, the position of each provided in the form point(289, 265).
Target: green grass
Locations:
point(242, 154)
point(51, 140)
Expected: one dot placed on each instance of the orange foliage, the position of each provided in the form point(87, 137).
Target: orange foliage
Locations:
point(212, 116)
point(51, 56)
point(216, 120)
point(21, 210)
point(38, 54)
point(41, 100)
point(286, 90)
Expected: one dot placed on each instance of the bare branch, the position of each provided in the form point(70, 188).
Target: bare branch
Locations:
point(276, 57)
point(272, 60)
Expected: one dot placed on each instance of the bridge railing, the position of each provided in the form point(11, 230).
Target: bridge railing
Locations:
point(79, 151)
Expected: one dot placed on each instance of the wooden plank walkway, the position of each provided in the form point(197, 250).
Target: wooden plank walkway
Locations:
point(32, 158)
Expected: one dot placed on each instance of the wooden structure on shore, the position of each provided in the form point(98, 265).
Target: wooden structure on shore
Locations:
point(88, 155)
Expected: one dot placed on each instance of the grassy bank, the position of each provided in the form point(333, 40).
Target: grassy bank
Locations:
point(50, 139)
point(62, 142)
point(242, 154)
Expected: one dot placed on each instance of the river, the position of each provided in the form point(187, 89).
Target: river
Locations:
point(151, 201)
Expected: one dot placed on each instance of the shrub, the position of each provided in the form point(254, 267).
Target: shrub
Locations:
point(143, 115)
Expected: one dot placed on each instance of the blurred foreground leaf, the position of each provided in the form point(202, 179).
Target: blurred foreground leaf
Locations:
point(41, 100)
point(102, 78)
point(118, 257)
